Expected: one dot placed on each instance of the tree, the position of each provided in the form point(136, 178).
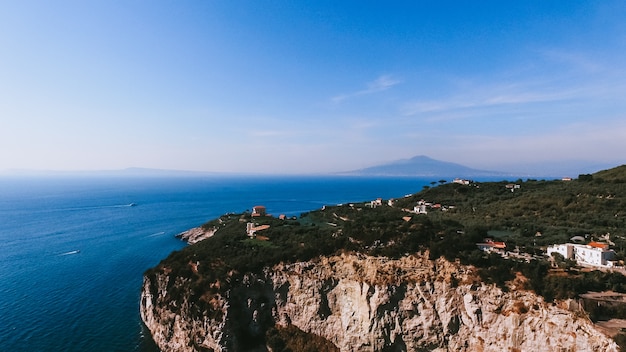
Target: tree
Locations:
point(563, 262)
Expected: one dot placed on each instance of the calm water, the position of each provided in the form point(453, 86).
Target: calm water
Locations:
point(72, 250)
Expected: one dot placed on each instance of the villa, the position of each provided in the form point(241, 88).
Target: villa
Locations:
point(592, 254)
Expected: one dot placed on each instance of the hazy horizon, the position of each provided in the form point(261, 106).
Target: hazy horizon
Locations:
point(570, 169)
point(291, 88)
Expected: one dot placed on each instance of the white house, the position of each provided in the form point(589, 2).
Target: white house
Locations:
point(594, 253)
point(513, 186)
point(566, 250)
point(461, 181)
point(420, 208)
point(376, 203)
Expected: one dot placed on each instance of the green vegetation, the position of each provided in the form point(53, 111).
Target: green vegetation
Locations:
point(540, 212)
point(528, 218)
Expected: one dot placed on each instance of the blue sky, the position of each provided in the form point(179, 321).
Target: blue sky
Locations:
point(315, 86)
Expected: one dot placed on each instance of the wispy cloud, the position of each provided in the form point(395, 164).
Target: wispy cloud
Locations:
point(577, 61)
point(484, 97)
point(380, 84)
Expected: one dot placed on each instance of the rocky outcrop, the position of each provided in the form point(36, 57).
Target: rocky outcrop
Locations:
point(362, 303)
point(196, 234)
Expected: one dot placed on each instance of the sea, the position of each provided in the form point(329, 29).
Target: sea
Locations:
point(73, 249)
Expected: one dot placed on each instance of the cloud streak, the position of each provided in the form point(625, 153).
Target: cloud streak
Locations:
point(380, 84)
point(487, 97)
point(577, 61)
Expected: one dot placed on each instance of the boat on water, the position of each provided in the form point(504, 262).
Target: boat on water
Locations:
point(132, 204)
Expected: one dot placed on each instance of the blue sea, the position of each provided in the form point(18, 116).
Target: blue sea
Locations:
point(73, 250)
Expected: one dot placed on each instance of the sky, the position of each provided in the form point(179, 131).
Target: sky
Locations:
point(296, 87)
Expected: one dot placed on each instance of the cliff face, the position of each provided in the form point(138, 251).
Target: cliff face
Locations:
point(362, 303)
point(196, 234)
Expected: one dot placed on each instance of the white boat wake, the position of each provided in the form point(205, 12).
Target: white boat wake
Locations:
point(70, 252)
point(156, 234)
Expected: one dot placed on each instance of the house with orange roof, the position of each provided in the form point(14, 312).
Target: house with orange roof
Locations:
point(252, 229)
point(258, 210)
point(491, 245)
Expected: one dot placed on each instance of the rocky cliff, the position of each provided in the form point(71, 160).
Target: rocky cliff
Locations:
point(196, 234)
point(363, 303)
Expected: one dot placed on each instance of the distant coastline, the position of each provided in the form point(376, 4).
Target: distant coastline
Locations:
point(420, 166)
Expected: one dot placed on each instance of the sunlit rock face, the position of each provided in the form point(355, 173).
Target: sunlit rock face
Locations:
point(362, 303)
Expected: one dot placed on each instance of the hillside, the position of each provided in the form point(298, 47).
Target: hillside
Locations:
point(538, 212)
point(617, 174)
point(528, 215)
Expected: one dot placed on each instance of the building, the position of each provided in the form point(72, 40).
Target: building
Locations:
point(420, 208)
point(593, 254)
point(258, 210)
point(461, 181)
point(512, 186)
point(376, 203)
point(251, 229)
point(566, 250)
point(490, 245)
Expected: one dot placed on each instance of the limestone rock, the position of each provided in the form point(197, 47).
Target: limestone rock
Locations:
point(362, 303)
point(196, 234)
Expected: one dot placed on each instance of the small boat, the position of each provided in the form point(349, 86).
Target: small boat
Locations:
point(132, 204)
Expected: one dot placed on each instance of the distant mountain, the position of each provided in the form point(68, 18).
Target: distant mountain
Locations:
point(424, 166)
